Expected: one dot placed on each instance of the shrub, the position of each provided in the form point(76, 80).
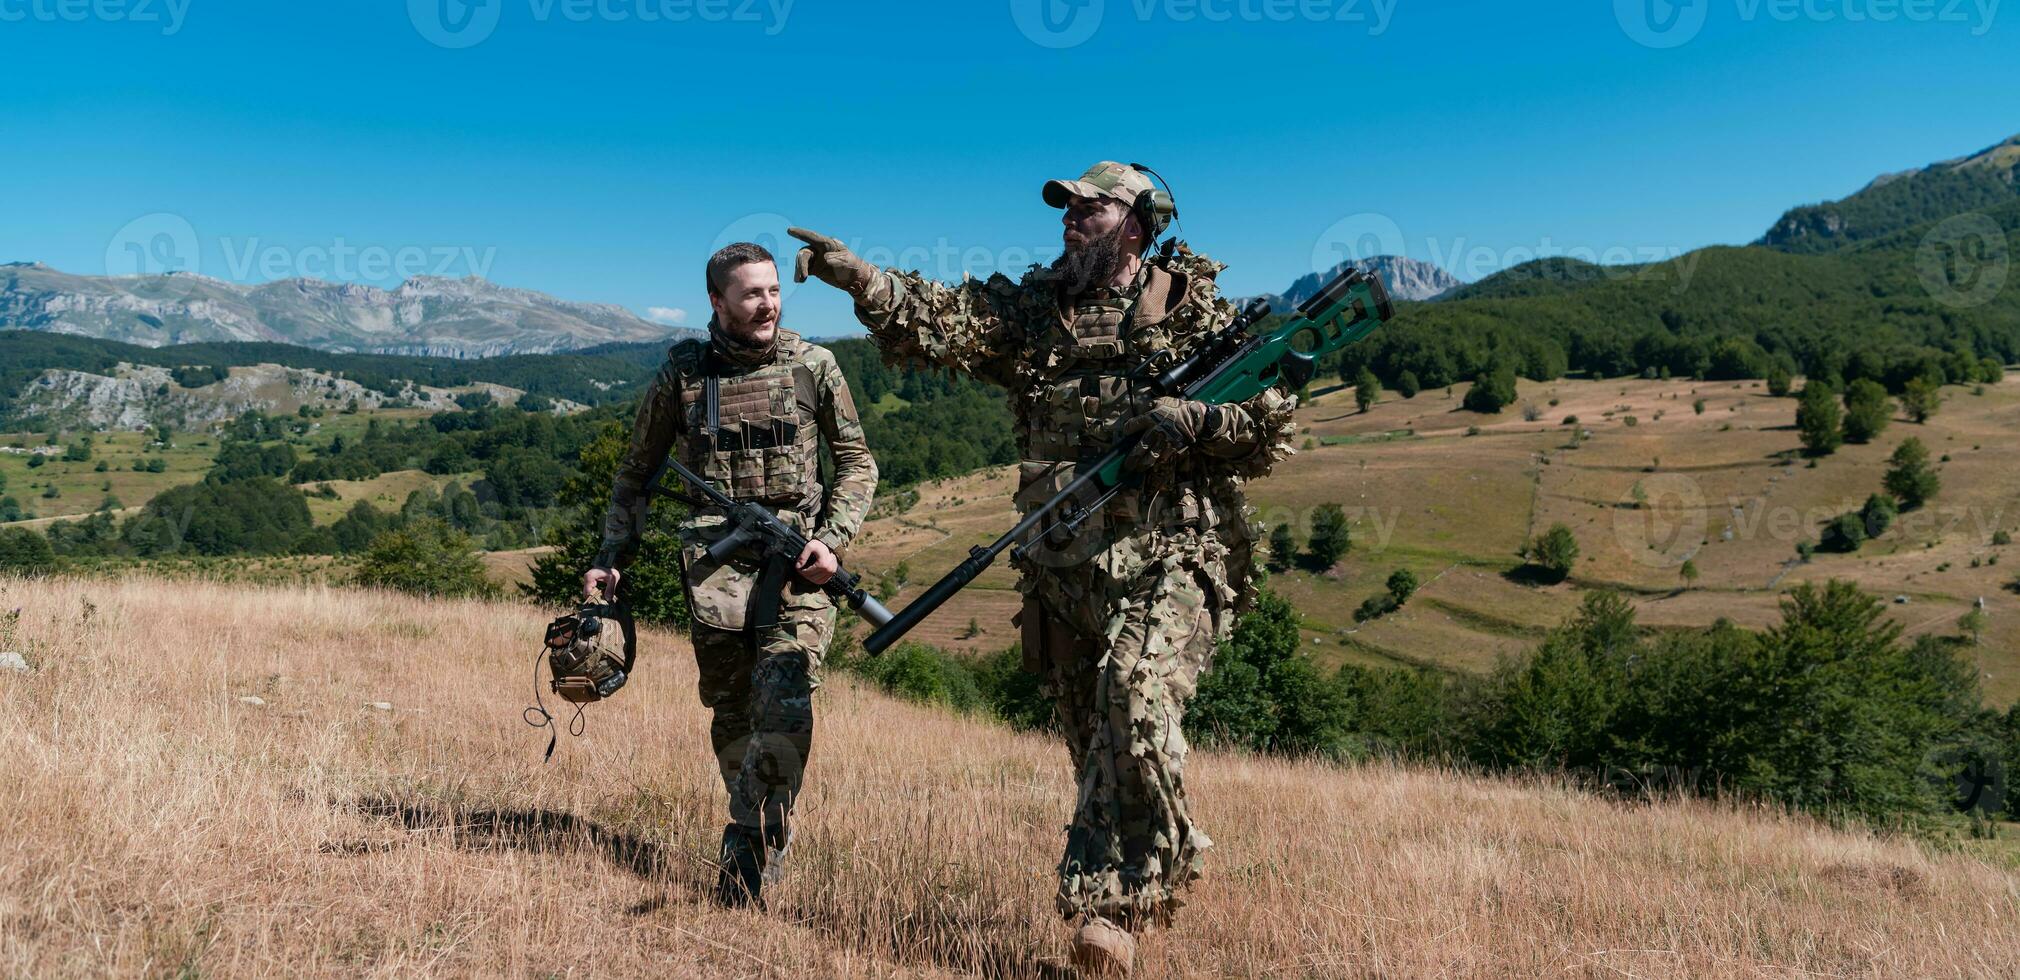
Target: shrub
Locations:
point(1844, 533)
point(1402, 584)
point(1407, 384)
point(426, 557)
point(1553, 552)
point(1778, 381)
point(1491, 392)
point(24, 552)
point(1920, 399)
point(1367, 390)
point(1375, 606)
point(1828, 712)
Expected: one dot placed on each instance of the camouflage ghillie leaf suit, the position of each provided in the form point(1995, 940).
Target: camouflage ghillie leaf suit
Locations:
point(758, 666)
point(1119, 620)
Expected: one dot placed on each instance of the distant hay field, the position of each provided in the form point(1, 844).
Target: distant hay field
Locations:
point(161, 823)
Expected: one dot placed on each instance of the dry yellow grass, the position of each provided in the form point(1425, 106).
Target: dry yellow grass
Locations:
point(159, 824)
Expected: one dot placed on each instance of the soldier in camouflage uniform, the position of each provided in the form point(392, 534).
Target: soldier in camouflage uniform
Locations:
point(1120, 620)
point(749, 409)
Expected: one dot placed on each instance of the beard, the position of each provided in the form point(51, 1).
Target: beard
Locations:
point(1092, 263)
point(739, 338)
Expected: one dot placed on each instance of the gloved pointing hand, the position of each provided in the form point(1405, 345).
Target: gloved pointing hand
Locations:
point(831, 262)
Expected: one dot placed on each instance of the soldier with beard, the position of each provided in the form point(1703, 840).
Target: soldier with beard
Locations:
point(748, 409)
point(1120, 620)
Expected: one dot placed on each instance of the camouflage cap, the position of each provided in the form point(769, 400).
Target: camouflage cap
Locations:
point(1105, 179)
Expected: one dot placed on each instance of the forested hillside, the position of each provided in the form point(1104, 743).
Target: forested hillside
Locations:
point(1890, 309)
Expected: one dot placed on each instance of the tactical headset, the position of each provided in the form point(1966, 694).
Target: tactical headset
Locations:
point(1156, 210)
point(584, 666)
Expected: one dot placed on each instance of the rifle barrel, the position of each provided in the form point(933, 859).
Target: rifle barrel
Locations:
point(979, 559)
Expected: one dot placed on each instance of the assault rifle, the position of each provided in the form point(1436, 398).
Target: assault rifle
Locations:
point(1231, 365)
point(753, 525)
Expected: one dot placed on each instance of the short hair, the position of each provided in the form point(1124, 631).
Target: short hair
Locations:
point(729, 257)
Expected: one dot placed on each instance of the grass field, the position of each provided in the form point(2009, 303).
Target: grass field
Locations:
point(82, 488)
point(226, 780)
point(1723, 488)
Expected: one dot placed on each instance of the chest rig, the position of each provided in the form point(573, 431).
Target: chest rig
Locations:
point(1085, 387)
point(752, 431)
point(1084, 390)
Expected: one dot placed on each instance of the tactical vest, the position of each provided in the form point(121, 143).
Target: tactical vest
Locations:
point(753, 432)
point(1074, 409)
point(1083, 391)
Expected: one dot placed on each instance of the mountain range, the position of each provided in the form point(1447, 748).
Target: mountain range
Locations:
point(1406, 278)
point(426, 315)
point(1895, 201)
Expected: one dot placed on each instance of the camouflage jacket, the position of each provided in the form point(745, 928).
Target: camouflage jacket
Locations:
point(801, 381)
point(1066, 363)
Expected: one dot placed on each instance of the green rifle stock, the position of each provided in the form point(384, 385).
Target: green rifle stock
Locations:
point(1232, 365)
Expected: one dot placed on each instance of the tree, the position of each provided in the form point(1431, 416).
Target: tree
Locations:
point(1262, 694)
point(1330, 536)
point(1367, 390)
point(1845, 533)
point(1554, 552)
point(1283, 547)
point(1778, 381)
point(1878, 514)
point(1909, 477)
point(253, 516)
point(652, 582)
point(1867, 411)
point(1402, 584)
point(427, 558)
point(1817, 419)
point(1688, 572)
point(1407, 384)
point(24, 552)
point(1491, 392)
point(1920, 399)
point(1972, 624)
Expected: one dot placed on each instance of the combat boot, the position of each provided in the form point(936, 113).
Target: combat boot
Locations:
point(1103, 949)
point(739, 879)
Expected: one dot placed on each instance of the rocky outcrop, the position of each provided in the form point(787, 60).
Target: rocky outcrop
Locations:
point(138, 396)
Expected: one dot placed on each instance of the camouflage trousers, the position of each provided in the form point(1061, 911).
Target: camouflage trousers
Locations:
point(1119, 642)
point(760, 689)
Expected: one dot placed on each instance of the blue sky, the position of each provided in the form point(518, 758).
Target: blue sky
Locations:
point(600, 149)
